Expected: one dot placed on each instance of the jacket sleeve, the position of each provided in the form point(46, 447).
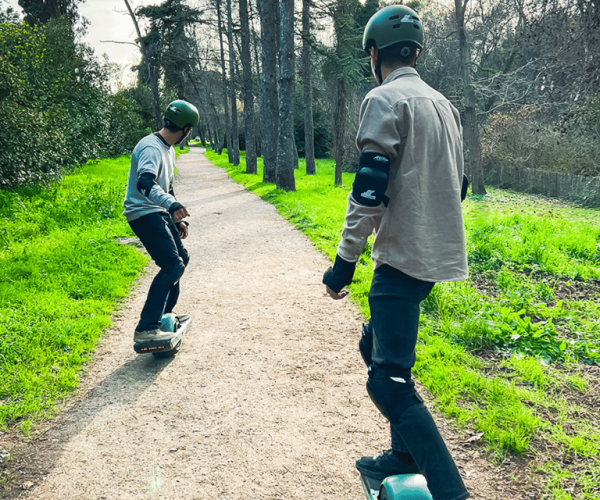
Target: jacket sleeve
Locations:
point(360, 222)
point(378, 133)
point(149, 162)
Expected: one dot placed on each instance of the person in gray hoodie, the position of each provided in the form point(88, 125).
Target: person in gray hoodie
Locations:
point(156, 217)
point(408, 191)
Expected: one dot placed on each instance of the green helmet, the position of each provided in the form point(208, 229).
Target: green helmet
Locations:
point(393, 24)
point(182, 114)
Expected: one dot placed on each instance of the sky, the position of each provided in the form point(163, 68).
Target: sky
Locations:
point(109, 20)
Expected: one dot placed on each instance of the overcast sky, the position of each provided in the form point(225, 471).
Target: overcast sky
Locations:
point(109, 20)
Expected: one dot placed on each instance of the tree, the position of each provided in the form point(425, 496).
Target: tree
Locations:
point(251, 166)
point(345, 61)
point(235, 135)
point(285, 161)
point(471, 129)
point(309, 139)
point(41, 11)
point(167, 48)
point(269, 34)
point(225, 85)
point(149, 68)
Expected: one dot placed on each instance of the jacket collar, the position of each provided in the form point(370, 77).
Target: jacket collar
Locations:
point(397, 73)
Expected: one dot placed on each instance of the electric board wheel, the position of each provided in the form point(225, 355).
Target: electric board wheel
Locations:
point(405, 487)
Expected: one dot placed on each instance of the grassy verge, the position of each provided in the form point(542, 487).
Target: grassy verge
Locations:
point(513, 352)
point(62, 273)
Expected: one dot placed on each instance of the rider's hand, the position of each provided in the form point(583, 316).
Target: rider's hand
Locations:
point(181, 214)
point(336, 296)
point(182, 227)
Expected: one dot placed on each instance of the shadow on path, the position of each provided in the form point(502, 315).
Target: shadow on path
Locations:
point(41, 455)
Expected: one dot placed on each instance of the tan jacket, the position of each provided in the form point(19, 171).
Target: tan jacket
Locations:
point(421, 232)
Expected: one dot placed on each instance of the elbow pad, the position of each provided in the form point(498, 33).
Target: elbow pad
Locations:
point(146, 183)
point(371, 180)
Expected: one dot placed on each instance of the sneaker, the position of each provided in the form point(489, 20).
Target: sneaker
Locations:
point(152, 335)
point(384, 465)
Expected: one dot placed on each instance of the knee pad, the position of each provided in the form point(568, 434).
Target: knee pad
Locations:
point(365, 345)
point(393, 395)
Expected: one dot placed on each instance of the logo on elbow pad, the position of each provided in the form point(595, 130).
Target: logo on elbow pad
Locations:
point(380, 158)
point(369, 194)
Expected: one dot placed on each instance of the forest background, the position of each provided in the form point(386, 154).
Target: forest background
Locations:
point(523, 73)
point(276, 81)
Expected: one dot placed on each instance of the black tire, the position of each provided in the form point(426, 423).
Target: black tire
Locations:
point(383, 494)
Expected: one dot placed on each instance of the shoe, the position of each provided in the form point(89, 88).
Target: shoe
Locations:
point(152, 335)
point(384, 465)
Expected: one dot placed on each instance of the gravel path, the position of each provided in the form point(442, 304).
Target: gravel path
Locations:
point(266, 399)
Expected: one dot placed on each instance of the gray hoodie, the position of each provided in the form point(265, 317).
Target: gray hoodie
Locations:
point(151, 155)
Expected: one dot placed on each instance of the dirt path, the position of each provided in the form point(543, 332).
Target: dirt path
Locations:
point(266, 400)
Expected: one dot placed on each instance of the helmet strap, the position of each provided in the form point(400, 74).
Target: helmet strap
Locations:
point(378, 75)
point(377, 68)
point(185, 134)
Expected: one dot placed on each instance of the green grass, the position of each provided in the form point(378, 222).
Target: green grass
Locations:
point(506, 352)
point(62, 274)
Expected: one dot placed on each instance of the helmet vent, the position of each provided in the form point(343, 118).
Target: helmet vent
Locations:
point(394, 17)
point(396, 26)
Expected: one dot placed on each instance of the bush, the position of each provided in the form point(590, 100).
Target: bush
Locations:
point(528, 139)
point(56, 103)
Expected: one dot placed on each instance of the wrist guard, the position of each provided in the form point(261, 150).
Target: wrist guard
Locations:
point(174, 207)
point(340, 275)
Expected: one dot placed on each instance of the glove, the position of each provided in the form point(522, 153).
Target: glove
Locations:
point(465, 187)
point(340, 275)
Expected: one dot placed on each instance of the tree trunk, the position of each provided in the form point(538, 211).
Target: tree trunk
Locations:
point(285, 163)
point(248, 92)
point(339, 128)
point(257, 122)
point(269, 108)
point(294, 146)
point(225, 87)
point(343, 26)
point(309, 136)
point(235, 134)
point(471, 129)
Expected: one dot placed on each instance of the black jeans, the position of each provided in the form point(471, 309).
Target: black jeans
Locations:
point(388, 347)
point(158, 233)
point(394, 300)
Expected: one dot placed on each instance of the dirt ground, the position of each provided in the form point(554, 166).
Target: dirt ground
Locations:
point(266, 399)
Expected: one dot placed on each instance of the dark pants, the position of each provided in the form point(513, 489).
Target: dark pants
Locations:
point(388, 348)
point(160, 236)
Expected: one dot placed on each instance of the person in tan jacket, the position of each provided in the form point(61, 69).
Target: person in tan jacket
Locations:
point(408, 191)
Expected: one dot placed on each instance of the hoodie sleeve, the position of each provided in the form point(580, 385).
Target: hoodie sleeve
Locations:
point(150, 160)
